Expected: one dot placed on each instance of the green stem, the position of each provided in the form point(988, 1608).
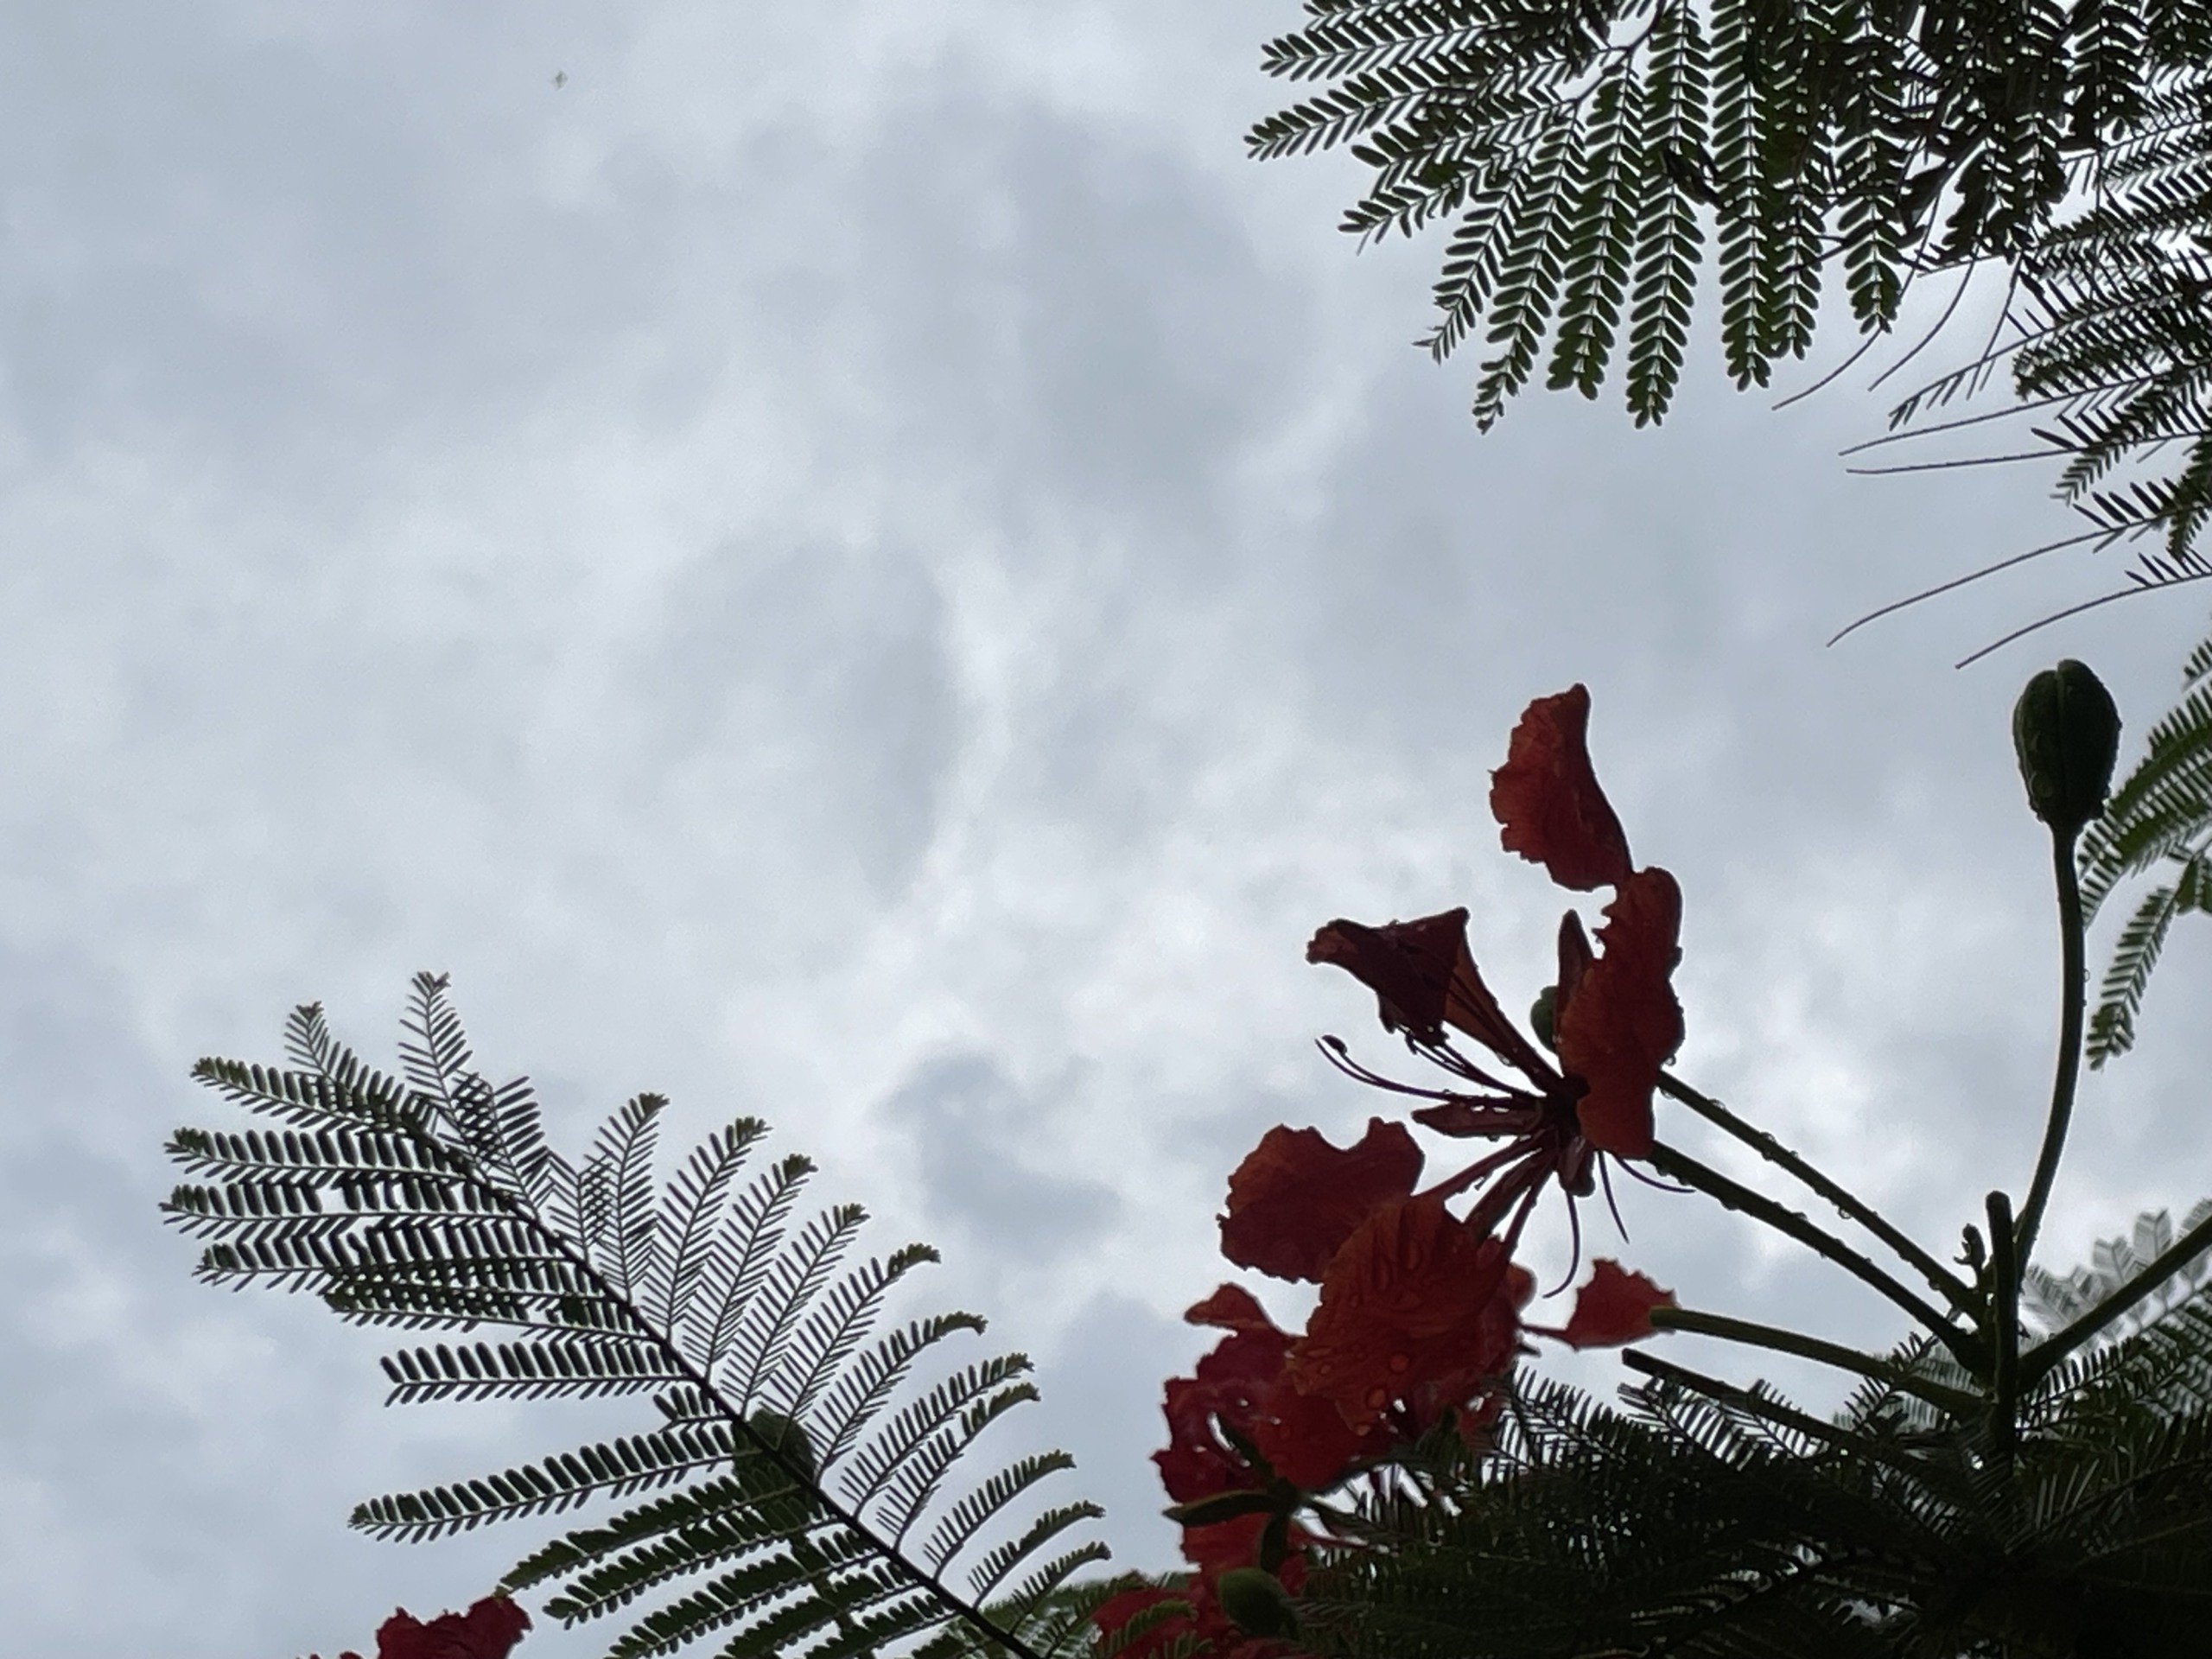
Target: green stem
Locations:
point(2073, 972)
point(1753, 1402)
point(1736, 1196)
point(2004, 1332)
point(1947, 1284)
point(1812, 1348)
point(2037, 1363)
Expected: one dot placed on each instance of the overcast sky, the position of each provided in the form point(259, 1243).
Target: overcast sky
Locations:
point(858, 563)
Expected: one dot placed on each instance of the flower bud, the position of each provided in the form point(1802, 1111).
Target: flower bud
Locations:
point(1543, 1017)
point(2066, 731)
point(1256, 1603)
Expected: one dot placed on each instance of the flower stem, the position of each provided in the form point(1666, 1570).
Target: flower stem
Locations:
point(1949, 1285)
point(2074, 994)
point(2004, 1332)
point(1812, 1348)
point(1735, 1196)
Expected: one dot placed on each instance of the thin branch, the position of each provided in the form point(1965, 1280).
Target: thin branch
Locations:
point(1735, 1196)
point(1947, 1284)
point(2038, 1362)
point(1797, 1344)
point(1972, 577)
point(2076, 610)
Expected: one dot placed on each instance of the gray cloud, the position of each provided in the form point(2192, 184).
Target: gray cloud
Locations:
point(986, 1148)
point(865, 569)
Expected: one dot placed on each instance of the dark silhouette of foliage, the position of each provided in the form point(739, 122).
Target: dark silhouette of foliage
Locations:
point(794, 1492)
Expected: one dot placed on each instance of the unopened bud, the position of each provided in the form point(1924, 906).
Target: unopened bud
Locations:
point(1256, 1603)
point(2066, 730)
point(1543, 1016)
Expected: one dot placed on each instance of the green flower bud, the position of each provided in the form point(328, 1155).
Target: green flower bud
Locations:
point(2066, 731)
point(1256, 1603)
point(1543, 1015)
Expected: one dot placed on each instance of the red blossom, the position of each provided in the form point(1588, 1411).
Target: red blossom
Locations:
point(1295, 1198)
point(1614, 1307)
point(1623, 1023)
point(487, 1631)
point(1241, 1388)
point(1546, 798)
point(1423, 977)
point(1119, 1610)
point(1419, 1312)
point(1211, 1551)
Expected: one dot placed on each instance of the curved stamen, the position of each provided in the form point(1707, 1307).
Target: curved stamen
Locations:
point(1605, 1177)
point(1338, 1055)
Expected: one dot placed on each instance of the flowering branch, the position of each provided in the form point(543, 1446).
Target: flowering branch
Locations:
point(1949, 1285)
point(1753, 1335)
point(2073, 977)
point(1735, 1196)
point(2066, 731)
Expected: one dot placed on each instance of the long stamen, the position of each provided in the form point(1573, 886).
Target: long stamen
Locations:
point(1606, 1178)
point(1474, 1174)
point(1334, 1050)
point(1653, 1180)
point(1526, 1177)
point(1445, 1058)
point(1574, 1248)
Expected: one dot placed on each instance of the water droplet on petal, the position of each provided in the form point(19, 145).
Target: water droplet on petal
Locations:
point(1378, 1398)
point(1398, 1364)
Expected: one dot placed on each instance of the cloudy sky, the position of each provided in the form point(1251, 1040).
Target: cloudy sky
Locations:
point(858, 563)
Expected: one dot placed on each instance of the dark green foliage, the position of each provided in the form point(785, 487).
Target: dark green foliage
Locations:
point(797, 1454)
point(1586, 152)
point(2160, 817)
point(1701, 1519)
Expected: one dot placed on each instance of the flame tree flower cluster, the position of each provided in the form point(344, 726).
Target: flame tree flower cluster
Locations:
point(2026, 1475)
point(1421, 1312)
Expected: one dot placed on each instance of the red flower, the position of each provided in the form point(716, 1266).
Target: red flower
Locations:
point(1614, 1307)
point(1621, 1023)
point(1295, 1198)
point(1424, 979)
point(487, 1631)
point(1241, 1391)
point(1546, 796)
point(1119, 1610)
point(1614, 1018)
point(1419, 1314)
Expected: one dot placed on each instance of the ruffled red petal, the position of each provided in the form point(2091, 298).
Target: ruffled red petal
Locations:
point(1623, 1022)
point(1546, 796)
point(1111, 1615)
point(1416, 1309)
point(1231, 1307)
point(1242, 1386)
point(487, 1631)
point(1614, 1307)
point(1295, 1198)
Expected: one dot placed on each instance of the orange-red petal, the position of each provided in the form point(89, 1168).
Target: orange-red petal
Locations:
point(1295, 1198)
point(1547, 798)
point(1614, 1307)
point(1623, 1022)
point(1416, 1309)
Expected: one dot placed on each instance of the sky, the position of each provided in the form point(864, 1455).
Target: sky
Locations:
point(859, 564)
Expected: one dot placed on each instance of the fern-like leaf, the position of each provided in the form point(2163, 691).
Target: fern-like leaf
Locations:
point(796, 1453)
